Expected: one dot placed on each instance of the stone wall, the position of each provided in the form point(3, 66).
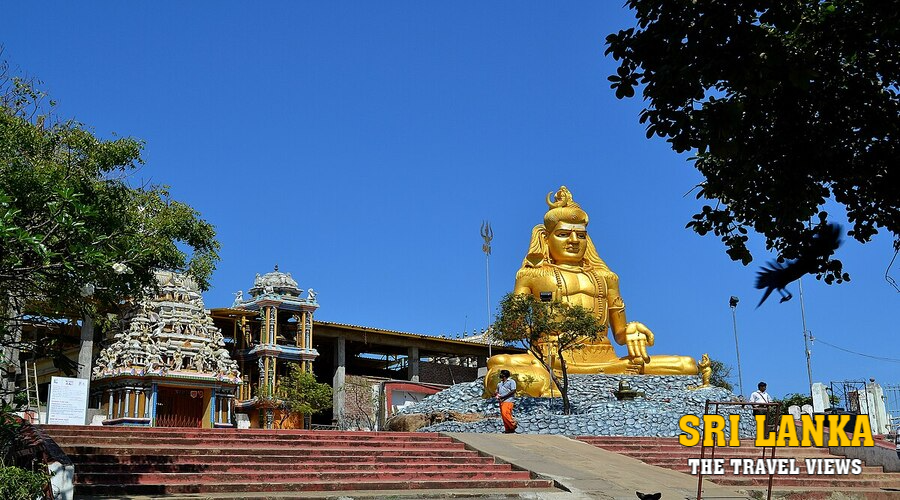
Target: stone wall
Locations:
point(595, 409)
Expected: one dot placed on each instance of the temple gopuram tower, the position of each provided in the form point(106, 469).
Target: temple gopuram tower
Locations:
point(272, 330)
point(168, 365)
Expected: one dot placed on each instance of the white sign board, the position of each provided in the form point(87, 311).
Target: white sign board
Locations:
point(68, 401)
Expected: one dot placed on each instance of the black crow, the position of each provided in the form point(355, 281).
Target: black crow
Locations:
point(778, 276)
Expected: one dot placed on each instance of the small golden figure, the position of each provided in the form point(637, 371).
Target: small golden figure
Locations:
point(563, 261)
point(705, 366)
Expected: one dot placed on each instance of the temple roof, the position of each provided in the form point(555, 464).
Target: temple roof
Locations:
point(169, 335)
point(276, 288)
point(277, 282)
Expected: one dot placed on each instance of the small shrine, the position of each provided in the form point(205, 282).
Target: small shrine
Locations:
point(272, 330)
point(168, 365)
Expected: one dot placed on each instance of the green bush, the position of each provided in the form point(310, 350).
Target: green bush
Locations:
point(20, 484)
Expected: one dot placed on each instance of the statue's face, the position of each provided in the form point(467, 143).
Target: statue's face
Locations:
point(567, 243)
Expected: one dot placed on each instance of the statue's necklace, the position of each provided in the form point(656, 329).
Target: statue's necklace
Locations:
point(591, 273)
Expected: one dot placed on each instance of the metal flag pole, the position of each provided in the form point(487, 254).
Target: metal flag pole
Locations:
point(807, 338)
point(733, 302)
point(487, 234)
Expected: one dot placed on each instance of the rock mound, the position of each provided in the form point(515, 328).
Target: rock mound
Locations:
point(595, 409)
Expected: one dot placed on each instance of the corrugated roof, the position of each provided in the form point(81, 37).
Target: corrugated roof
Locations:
point(475, 339)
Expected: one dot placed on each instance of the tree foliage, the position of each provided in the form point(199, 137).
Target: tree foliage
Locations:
point(547, 330)
point(300, 392)
point(786, 104)
point(795, 399)
point(22, 484)
point(721, 373)
point(360, 403)
point(75, 236)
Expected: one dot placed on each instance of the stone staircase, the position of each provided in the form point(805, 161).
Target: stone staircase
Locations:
point(872, 484)
point(178, 461)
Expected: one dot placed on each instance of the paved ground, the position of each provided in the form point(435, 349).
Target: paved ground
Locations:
point(589, 472)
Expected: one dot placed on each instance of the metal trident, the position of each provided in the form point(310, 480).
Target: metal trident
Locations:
point(488, 234)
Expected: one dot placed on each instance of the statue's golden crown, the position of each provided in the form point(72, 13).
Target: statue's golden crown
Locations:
point(562, 198)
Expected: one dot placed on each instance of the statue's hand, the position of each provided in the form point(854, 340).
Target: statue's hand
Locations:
point(637, 338)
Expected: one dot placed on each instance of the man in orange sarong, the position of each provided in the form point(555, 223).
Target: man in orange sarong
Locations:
point(506, 391)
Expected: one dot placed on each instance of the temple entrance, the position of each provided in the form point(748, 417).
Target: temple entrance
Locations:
point(179, 407)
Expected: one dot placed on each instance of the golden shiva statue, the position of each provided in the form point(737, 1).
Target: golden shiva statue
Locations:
point(563, 261)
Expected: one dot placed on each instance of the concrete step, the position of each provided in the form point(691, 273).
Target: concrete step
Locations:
point(260, 461)
point(668, 453)
point(231, 434)
point(143, 461)
point(839, 483)
point(296, 477)
point(695, 450)
point(687, 453)
point(826, 493)
point(202, 442)
point(285, 451)
point(206, 468)
point(256, 487)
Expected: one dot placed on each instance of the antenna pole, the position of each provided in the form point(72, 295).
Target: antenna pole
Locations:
point(807, 338)
point(737, 349)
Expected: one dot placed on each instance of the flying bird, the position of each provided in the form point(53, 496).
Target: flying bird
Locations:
point(778, 276)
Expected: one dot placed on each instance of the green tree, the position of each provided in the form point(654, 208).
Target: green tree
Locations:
point(721, 373)
point(545, 329)
point(785, 104)
point(75, 236)
point(301, 393)
point(794, 398)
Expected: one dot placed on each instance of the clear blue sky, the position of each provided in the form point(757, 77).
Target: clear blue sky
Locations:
point(359, 145)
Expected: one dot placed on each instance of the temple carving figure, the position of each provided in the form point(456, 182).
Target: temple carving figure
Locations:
point(563, 264)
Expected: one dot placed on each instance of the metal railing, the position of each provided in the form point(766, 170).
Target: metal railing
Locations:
point(773, 415)
point(892, 405)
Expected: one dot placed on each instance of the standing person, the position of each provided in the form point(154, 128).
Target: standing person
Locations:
point(506, 392)
point(761, 396)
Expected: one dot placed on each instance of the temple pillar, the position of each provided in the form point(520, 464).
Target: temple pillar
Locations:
point(154, 389)
point(274, 375)
point(412, 370)
point(212, 407)
point(86, 348)
point(274, 330)
point(340, 366)
point(109, 409)
point(127, 403)
point(147, 399)
point(302, 333)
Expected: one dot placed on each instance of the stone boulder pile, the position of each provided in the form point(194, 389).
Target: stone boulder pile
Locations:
point(595, 410)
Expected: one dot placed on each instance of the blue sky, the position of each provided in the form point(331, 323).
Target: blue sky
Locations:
point(360, 145)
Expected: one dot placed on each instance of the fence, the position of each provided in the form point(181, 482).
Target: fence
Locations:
point(892, 405)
